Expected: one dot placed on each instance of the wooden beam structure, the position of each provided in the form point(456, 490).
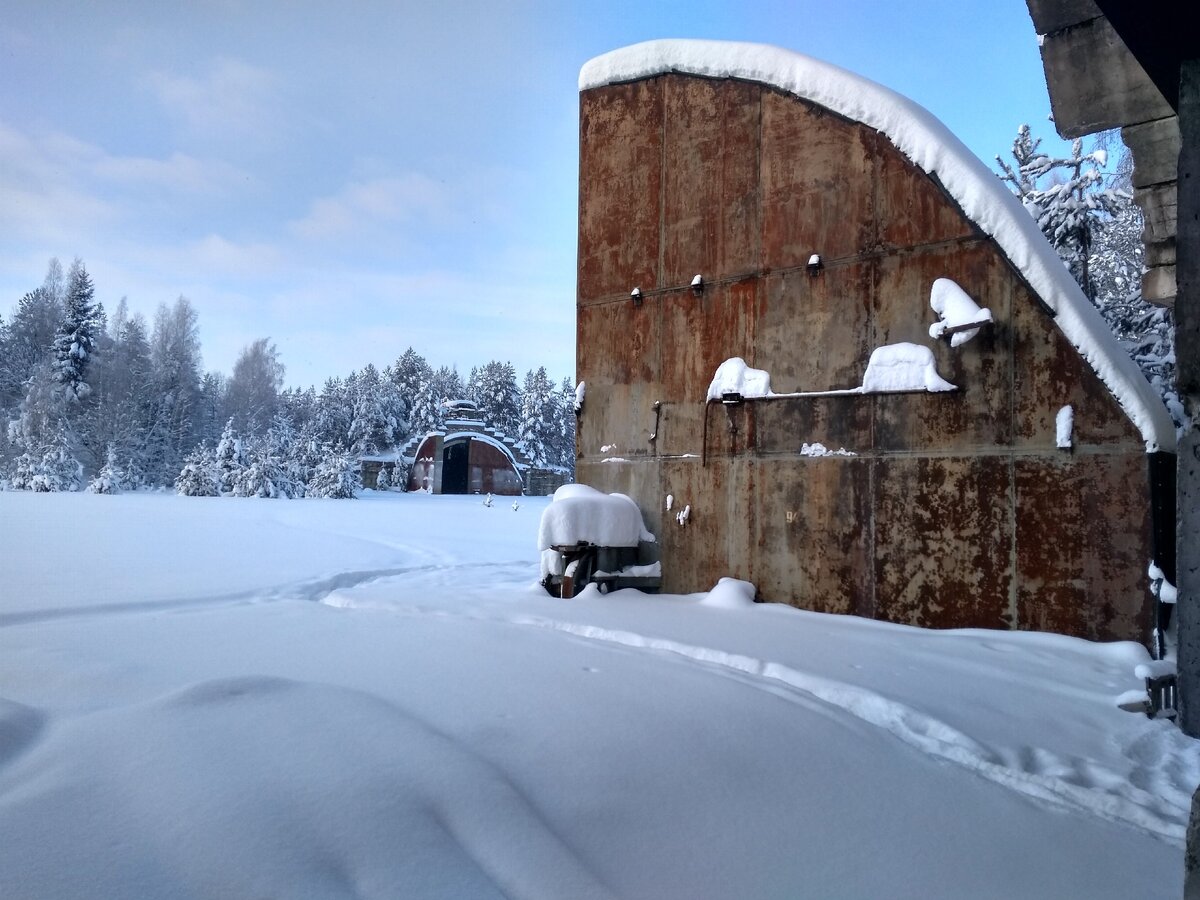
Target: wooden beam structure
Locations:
point(1098, 81)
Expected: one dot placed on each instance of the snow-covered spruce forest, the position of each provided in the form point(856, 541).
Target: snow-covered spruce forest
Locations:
point(104, 402)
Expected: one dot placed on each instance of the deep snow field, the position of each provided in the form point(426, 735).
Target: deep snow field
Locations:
point(266, 698)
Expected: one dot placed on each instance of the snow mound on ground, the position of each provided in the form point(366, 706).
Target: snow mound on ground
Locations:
point(582, 513)
point(730, 593)
point(735, 377)
point(932, 147)
point(903, 367)
point(955, 309)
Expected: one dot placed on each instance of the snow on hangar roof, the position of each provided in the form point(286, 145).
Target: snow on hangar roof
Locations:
point(932, 147)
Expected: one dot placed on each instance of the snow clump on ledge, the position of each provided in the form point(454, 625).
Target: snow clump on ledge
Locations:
point(933, 148)
point(903, 367)
point(582, 513)
point(1064, 425)
point(816, 448)
point(955, 309)
point(735, 377)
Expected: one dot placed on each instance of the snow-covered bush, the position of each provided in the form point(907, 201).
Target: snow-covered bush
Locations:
point(384, 480)
point(198, 476)
point(57, 470)
point(336, 477)
point(109, 479)
point(264, 476)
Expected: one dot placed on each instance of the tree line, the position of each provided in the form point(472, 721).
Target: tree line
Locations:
point(108, 402)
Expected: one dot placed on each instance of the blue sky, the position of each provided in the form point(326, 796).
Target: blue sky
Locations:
point(351, 181)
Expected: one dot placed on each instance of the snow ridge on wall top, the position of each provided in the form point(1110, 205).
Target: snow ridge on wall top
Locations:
point(932, 147)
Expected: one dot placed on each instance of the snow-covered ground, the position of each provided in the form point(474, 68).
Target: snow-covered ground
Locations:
point(243, 698)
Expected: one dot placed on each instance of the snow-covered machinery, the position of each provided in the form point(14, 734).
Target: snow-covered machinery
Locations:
point(587, 536)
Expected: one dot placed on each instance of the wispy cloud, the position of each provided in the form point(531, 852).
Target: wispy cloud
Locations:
point(232, 99)
point(57, 188)
point(365, 205)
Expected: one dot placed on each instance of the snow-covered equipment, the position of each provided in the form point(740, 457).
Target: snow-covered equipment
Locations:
point(587, 536)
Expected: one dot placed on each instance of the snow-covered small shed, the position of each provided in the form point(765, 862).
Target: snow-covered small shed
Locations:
point(808, 313)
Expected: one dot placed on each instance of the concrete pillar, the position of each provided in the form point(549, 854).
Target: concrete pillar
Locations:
point(1187, 352)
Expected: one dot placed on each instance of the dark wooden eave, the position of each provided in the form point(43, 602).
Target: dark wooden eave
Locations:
point(1111, 64)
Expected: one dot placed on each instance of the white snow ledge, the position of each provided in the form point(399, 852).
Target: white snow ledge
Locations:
point(933, 148)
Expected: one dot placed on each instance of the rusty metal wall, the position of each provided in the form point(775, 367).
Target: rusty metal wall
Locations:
point(956, 510)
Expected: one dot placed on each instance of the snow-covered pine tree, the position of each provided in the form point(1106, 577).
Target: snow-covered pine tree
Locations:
point(383, 481)
point(269, 471)
point(426, 414)
point(374, 422)
point(493, 388)
point(429, 411)
point(198, 477)
point(300, 406)
point(304, 455)
point(264, 474)
point(109, 479)
point(230, 461)
point(564, 432)
point(408, 373)
point(56, 470)
point(335, 408)
point(539, 415)
point(1096, 230)
point(1072, 200)
point(336, 477)
point(1146, 331)
point(75, 339)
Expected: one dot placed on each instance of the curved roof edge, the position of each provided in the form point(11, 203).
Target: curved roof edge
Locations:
point(931, 146)
point(484, 439)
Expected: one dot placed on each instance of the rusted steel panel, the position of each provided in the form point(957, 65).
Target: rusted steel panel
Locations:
point(812, 542)
point(1048, 373)
point(713, 542)
point(944, 542)
point(490, 471)
point(910, 207)
point(813, 332)
point(839, 423)
point(817, 185)
point(710, 179)
point(698, 334)
point(423, 475)
point(620, 152)
point(617, 421)
point(979, 414)
point(618, 343)
point(1083, 545)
